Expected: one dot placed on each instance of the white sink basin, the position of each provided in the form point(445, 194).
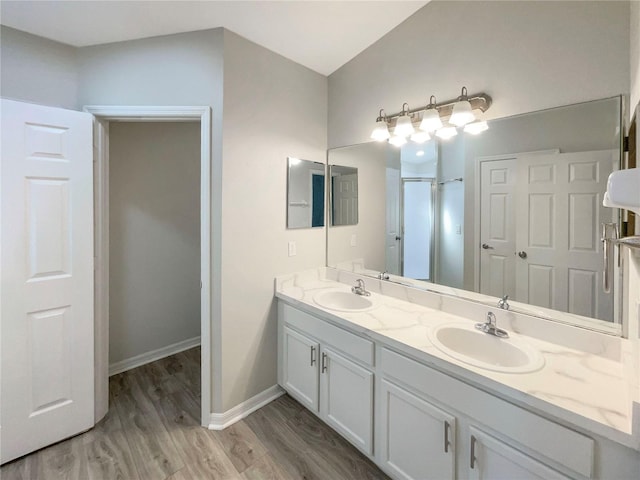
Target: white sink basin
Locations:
point(467, 344)
point(342, 301)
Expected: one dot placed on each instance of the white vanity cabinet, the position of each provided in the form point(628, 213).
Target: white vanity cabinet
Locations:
point(416, 438)
point(429, 424)
point(324, 367)
point(490, 458)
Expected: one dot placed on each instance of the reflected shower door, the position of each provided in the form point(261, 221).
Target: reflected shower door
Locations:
point(417, 226)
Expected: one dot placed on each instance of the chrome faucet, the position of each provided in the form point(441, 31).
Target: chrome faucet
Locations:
point(503, 303)
point(490, 327)
point(383, 276)
point(360, 289)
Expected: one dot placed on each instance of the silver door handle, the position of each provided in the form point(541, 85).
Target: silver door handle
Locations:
point(324, 362)
point(522, 254)
point(472, 459)
point(487, 246)
point(313, 355)
point(446, 437)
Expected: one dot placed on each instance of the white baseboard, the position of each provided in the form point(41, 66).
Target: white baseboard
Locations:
point(220, 421)
point(152, 356)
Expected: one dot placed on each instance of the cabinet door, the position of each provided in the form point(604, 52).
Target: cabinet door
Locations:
point(417, 439)
point(346, 392)
point(300, 372)
point(490, 458)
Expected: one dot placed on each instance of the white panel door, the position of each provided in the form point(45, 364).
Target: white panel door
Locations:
point(492, 459)
point(345, 199)
point(392, 257)
point(497, 227)
point(559, 253)
point(300, 373)
point(47, 276)
point(346, 392)
point(417, 438)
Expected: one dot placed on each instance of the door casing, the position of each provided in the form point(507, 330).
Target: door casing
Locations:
point(103, 115)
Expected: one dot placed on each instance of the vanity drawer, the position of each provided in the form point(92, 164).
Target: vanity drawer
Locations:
point(553, 443)
point(348, 343)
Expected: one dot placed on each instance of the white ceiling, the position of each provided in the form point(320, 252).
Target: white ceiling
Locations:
point(322, 35)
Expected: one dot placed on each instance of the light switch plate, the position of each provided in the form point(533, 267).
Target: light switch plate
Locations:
point(353, 240)
point(458, 229)
point(292, 249)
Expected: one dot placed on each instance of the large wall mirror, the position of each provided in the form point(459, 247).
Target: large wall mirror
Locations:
point(305, 193)
point(515, 210)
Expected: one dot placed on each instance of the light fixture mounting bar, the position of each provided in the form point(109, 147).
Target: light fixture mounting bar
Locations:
point(479, 101)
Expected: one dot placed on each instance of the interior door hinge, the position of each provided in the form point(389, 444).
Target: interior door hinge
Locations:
point(625, 144)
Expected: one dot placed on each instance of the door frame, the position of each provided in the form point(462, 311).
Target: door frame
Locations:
point(102, 116)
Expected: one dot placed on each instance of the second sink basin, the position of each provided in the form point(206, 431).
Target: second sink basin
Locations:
point(463, 342)
point(343, 301)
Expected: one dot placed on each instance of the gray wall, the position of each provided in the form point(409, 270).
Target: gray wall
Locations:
point(273, 108)
point(527, 55)
point(154, 237)
point(37, 70)
point(181, 69)
point(634, 55)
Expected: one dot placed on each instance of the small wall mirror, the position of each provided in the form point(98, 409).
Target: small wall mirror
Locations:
point(305, 193)
point(344, 195)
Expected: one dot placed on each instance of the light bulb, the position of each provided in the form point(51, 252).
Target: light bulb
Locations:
point(397, 140)
point(381, 131)
point(420, 137)
point(462, 113)
point(404, 127)
point(430, 120)
point(476, 127)
point(446, 133)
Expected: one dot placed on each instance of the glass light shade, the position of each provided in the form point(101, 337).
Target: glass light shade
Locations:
point(462, 114)
point(404, 127)
point(430, 120)
point(380, 132)
point(397, 140)
point(446, 133)
point(420, 137)
point(476, 127)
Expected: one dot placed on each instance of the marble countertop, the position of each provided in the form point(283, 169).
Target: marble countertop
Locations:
point(593, 392)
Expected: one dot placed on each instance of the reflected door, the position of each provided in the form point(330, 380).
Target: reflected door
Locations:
point(345, 199)
point(393, 238)
point(540, 224)
point(497, 227)
point(47, 276)
point(559, 253)
point(417, 227)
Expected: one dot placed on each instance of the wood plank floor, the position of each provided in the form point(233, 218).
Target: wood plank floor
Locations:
point(152, 432)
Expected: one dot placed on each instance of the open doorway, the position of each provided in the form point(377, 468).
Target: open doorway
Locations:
point(153, 243)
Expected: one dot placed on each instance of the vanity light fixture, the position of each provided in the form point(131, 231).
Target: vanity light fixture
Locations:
point(474, 128)
point(404, 124)
point(459, 112)
point(445, 133)
point(420, 137)
point(381, 131)
point(431, 117)
point(462, 112)
point(397, 141)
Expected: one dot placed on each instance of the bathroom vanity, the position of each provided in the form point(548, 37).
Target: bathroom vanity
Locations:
point(405, 377)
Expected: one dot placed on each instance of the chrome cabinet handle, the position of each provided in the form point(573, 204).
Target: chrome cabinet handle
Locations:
point(472, 460)
point(522, 254)
point(446, 437)
point(324, 362)
point(486, 246)
point(313, 355)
